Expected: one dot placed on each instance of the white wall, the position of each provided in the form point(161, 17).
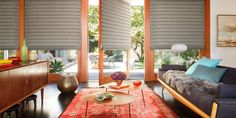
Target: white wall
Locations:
point(227, 54)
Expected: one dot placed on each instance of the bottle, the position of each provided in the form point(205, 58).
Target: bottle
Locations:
point(24, 52)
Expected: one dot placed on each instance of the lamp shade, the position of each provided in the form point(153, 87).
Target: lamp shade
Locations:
point(179, 48)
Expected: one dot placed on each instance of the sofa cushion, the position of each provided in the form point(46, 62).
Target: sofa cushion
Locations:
point(200, 98)
point(203, 61)
point(209, 74)
point(226, 91)
point(201, 93)
point(230, 75)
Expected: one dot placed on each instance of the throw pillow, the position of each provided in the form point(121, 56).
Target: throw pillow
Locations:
point(203, 61)
point(207, 73)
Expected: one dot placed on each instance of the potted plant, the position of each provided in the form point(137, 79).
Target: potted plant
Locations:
point(56, 68)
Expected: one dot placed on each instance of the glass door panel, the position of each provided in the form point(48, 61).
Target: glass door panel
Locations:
point(113, 61)
point(93, 56)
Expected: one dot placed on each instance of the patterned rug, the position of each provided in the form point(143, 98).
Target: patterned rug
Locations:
point(152, 107)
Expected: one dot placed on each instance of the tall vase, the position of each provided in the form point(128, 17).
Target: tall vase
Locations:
point(24, 52)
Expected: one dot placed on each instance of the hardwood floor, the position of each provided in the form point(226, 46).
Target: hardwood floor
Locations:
point(55, 102)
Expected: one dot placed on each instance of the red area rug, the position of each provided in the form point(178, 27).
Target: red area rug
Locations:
point(153, 107)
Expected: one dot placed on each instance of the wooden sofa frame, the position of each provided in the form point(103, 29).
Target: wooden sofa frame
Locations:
point(187, 103)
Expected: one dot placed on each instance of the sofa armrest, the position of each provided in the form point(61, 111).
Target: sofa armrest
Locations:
point(166, 67)
point(226, 108)
point(226, 91)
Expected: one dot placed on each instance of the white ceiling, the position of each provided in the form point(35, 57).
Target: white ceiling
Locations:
point(132, 2)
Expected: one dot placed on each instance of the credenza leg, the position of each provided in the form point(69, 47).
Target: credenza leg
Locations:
point(42, 95)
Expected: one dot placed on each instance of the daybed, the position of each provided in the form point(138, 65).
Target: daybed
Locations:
point(209, 100)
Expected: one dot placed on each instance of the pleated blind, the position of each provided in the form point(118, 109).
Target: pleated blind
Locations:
point(53, 24)
point(116, 27)
point(9, 24)
point(176, 21)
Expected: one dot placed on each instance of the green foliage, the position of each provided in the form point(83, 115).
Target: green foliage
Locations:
point(189, 56)
point(56, 66)
point(191, 53)
point(137, 35)
point(1, 54)
point(168, 57)
point(163, 56)
point(93, 28)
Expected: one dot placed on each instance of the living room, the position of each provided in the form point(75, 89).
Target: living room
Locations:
point(117, 58)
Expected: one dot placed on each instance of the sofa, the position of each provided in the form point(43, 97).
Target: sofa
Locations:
point(209, 100)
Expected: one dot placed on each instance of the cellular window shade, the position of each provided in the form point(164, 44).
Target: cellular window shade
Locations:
point(9, 24)
point(176, 21)
point(53, 24)
point(116, 27)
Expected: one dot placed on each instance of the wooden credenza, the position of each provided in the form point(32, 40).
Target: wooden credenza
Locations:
point(17, 82)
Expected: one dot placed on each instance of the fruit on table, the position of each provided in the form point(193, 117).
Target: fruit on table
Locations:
point(137, 83)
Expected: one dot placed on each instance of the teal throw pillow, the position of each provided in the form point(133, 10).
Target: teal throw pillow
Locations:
point(207, 73)
point(203, 61)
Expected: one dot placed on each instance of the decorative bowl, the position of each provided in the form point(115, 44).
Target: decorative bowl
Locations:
point(118, 77)
point(15, 60)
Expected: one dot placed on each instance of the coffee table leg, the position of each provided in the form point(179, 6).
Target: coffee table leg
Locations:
point(143, 98)
point(129, 111)
point(86, 112)
point(129, 107)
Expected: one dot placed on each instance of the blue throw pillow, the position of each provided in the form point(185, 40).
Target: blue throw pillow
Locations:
point(207, 73)
point(203, 61)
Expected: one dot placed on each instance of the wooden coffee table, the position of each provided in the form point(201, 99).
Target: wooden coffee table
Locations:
point(120, 98)
point(128, 89)
point(122, 95)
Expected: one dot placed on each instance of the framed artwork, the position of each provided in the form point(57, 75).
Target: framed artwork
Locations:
point(226, 30)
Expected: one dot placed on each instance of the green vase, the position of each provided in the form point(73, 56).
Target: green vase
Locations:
point(24, 52)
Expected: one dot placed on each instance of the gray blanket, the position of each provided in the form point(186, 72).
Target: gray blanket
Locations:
point(178, 80)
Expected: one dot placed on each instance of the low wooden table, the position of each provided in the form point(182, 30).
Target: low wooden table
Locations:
point(128, 89)
point(120, 98)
